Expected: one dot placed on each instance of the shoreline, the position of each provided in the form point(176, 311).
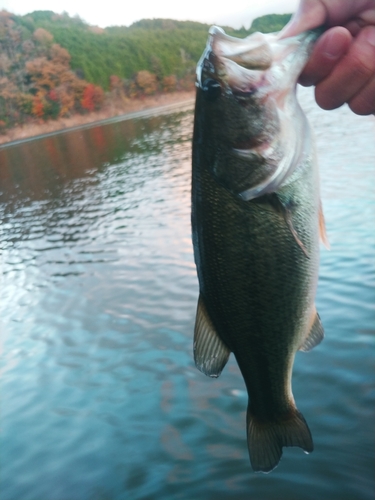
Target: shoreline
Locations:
point(126, 110)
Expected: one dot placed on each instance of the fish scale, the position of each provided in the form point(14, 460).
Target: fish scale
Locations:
point(257, 259)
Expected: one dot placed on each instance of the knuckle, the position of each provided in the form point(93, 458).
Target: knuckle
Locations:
point(363, 103)
point(358, 107)
point(363, 64)
point(362, 110)
point(327, 98)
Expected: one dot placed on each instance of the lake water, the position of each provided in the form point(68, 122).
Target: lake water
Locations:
point(100, 398)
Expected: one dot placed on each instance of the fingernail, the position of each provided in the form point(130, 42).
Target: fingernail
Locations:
point(289, 28)
point(370, 35)
point(332, 50)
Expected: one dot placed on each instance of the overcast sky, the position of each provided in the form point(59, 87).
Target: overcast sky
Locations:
point(115, 12)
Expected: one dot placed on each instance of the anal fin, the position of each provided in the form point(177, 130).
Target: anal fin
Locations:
point(210, 352)
point(315, 335)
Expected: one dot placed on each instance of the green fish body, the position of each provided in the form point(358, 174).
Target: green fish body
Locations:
point(256, 216)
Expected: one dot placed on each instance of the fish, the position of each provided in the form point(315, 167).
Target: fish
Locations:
point(256, 223)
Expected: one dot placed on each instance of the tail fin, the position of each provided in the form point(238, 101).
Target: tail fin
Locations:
point(266, 439)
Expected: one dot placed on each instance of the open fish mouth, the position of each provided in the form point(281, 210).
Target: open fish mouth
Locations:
point(249, 87)
point(257, 64)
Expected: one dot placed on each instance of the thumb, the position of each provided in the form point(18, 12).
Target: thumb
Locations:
point(310, 14)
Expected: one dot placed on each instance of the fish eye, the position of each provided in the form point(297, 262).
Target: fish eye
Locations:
point(211, 89)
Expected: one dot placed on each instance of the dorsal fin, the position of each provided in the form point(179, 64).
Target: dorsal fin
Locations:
point(322, 228)
point(210, 352)
point(315, 335)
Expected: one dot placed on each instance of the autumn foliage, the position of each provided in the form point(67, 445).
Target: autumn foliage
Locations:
point(51, 65)
point(37, 82)
point(146, 82)
point(92, 97)
point(169, 83)
point(38, 106)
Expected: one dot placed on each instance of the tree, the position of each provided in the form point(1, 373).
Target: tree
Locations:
point(38, 106)
point(169, 83)
point(92, 97)
point(43, 36)
point(60, 55)
point(146, 82)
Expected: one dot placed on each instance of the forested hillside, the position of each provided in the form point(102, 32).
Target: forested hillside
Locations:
point(52, 65)
point(270, 23)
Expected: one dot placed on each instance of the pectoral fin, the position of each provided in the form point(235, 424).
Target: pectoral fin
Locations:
point(315, 335)
point(210, 352)
point(322, 228)
point(288, 220)
point(285, 212)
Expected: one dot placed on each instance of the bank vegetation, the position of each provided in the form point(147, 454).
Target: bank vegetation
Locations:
point(54, 67)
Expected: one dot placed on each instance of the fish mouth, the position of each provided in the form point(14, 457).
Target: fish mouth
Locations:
point(256, 65)
point(261, 135)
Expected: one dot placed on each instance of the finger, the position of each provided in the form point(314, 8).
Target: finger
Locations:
point(313, 13)
point(366, 18)
point(310, 14)
point(329, 48)
point(363, 103)
point(351, 73)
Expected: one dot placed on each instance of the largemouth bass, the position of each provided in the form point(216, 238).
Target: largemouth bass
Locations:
point(256, 219)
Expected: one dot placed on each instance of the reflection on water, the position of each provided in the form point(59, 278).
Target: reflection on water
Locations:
point(100, 397)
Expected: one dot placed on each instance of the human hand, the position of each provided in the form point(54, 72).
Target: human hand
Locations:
point(342, 64)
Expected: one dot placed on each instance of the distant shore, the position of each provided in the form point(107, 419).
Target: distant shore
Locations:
point(34, 129)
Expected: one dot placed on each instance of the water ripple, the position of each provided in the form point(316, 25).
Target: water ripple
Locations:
point(100, 397)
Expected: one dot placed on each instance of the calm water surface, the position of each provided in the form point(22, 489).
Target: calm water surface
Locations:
point(99, 395)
